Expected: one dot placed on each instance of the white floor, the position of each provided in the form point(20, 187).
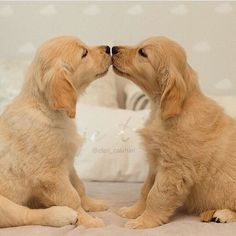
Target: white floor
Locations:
point(123, 194)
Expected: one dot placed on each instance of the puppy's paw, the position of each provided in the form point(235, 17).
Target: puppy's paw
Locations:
point(130, 212)
point(90, 222)
point(90, 204)
point(224, 216)
point(207, 216)
point(142, 223)
point(60, 216)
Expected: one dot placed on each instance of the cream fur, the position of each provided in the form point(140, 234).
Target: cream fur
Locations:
point(190, 142)
point(38, 139)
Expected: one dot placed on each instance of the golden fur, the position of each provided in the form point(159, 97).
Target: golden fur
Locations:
point(38, 139)
point(190, 142)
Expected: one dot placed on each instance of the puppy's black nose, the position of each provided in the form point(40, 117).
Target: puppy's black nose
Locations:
point(108, 51)
point(115, 50)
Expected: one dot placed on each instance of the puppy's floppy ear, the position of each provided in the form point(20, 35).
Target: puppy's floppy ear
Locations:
point(61, 93)
point(174, 95)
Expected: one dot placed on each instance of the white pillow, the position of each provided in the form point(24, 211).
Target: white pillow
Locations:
point(111, 149)
point(135, 98)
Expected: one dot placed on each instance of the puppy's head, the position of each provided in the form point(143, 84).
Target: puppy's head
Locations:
point(159, 67)
point(64, 67)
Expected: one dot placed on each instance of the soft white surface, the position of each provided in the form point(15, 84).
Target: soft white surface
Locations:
point(111, 149)
point(124, 194)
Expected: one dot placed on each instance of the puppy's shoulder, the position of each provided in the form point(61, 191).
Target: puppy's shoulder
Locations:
point(153, 126)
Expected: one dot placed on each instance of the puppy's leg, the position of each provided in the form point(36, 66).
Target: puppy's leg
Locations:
point(62, 193)
point(12, 214)
point(137, 209)
point(219, 216)
point(169, 191)
point(88, 203)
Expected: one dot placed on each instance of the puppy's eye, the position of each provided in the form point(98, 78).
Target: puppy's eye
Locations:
point(142, 52)
point(85, 53)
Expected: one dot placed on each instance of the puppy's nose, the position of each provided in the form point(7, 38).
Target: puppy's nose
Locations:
point(108, 51)
point(115, 50)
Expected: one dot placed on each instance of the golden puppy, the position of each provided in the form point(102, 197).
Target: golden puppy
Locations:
point(38, 138)
point(190, 142)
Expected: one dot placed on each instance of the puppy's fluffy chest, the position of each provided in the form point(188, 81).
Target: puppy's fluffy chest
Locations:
point(33, 141)
point(167, 143)
point(195, 143)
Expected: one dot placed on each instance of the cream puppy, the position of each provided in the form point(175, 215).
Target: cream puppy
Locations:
point(38, 138)
point(190, 142)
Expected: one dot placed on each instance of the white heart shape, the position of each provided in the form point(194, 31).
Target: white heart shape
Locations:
point(202, 46)
point(135, 10)
point(48, 10)
point(179, 10)
point(224, 8)
point(92, 10)
point(224, 84)
point(6, 10)
point(27, 48)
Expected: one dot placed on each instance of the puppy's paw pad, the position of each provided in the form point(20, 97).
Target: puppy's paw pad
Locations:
point(129, 212)
point(91, 222)
point(207, 216)
point(216, 220)
point(224, 216)
point(91, 204)
point(134, 224)
point(141, 223)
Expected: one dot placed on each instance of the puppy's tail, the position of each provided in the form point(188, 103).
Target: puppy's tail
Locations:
point(12, 214)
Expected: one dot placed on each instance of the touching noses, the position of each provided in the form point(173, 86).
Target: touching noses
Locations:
point(107, 49)
point(115, 50)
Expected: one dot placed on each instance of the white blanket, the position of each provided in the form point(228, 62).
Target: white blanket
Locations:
point(124, 194)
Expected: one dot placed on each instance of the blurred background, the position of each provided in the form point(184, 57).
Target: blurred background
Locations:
point(207, 30)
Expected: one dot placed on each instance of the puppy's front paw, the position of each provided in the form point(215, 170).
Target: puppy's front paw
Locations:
point(60, 216)
point(130, 212)
point(90, 204)
point(207, 216)
point(90, 222)
point(142, 223)
point(224, 216)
